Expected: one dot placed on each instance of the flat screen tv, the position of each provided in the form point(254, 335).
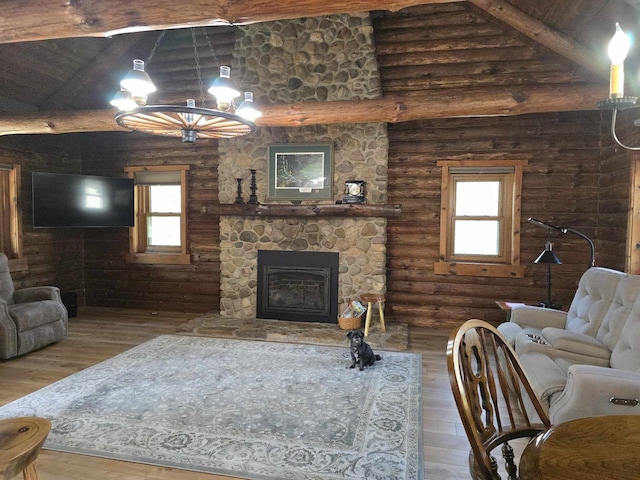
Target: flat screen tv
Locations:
point(64, 200)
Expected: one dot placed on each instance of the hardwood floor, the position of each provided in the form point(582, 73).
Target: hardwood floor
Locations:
point(100, 333)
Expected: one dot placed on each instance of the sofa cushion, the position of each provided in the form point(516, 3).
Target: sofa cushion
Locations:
point(546, 376)
point(573, 342)
point(574, 347)
point(626, 353)
point(510, 331)
point(596, 291)
point(35, 314)
point(41, 336)
point(619, 311)
point(6, 284)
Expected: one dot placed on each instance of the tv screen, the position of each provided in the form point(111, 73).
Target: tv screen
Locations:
point(64, 200)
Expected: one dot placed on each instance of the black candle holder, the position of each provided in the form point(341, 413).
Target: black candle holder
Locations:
point(239, 198)
point(253, 198)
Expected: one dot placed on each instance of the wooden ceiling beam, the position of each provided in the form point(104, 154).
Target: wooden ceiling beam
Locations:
point(467, 102)
point(29, 20)
point(543, 34)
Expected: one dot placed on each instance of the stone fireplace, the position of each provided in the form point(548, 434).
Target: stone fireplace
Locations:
point(325, 58)
point(297, 286)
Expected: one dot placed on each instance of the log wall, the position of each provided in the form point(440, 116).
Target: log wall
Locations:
point(615, 237)
point(112, 282)
point(54, 255)
point(560, 185)
point(437, 47)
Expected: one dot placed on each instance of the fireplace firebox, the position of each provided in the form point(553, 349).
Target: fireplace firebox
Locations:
point(297, 286)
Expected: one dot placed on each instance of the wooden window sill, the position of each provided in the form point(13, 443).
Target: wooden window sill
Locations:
point(18, 265)
point(478, 269)
point(159, 258)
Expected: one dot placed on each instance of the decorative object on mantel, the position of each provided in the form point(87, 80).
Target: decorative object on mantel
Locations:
point(354, 191)
point(255, 410)
point(239, 199)
point(618, 49)
point(253, 198)
point(186, 121)
point(300, 172)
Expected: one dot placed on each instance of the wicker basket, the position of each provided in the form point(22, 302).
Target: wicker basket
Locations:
point(350, 323)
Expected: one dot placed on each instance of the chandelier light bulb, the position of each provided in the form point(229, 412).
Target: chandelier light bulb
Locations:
point(190, 117)
point(618, 49)
point(138, 82)
point(247, 108)
point(224, 90)
point(122, 101)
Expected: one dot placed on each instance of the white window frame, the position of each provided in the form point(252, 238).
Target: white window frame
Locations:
point(507, 263)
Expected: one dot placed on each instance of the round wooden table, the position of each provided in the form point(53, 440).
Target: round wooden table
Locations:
point(593, 448)
point(21, 439)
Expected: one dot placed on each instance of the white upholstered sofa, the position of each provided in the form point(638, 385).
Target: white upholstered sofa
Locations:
point(584, 362)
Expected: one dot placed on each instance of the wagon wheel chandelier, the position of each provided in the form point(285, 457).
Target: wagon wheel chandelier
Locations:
point(186, 121)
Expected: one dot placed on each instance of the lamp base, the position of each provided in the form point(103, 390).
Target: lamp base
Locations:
point(551, 305)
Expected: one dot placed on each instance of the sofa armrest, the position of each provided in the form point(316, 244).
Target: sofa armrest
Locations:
point(538, 317)
point(575, 342)
point(36, 294)
point(8, 333)
point(589, 392)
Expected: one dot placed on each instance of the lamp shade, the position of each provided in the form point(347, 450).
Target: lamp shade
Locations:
point(247, 109)
point(548, 256)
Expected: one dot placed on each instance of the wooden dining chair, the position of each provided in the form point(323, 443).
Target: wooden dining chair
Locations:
point(491, 389)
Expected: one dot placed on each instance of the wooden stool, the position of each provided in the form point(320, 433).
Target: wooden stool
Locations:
point(21, 439)
point(371, 298)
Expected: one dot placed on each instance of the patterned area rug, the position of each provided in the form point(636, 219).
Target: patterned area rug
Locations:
point(396, 336)
point(255, 410)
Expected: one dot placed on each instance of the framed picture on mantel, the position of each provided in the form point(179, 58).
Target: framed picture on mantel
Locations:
point(300, 172)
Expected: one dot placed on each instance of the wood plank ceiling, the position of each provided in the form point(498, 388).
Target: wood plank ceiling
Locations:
point(517, 42)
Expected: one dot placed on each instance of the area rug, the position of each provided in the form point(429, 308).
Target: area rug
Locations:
point(255, 410)
point(396, 336)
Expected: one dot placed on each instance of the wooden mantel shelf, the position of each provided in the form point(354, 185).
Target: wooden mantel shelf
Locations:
point(322, 210)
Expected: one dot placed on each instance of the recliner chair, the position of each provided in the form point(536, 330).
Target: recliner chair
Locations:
point(30, 318)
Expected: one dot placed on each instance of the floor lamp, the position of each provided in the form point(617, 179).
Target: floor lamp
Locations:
point(549, 258)
point(565, 230)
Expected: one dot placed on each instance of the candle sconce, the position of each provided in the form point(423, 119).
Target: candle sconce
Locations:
point(618, 50)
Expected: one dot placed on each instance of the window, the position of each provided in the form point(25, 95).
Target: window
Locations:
point(160, 231)
point(480, 221)
point(11, 217)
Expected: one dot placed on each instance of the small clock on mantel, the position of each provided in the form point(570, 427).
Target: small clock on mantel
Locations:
point(354, 191)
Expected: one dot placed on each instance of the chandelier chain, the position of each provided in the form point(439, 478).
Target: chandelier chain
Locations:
point(155, 47)
point(198, 71)
point(216, 62)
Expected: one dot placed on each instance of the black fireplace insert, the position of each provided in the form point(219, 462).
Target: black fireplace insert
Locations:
point(297, 286)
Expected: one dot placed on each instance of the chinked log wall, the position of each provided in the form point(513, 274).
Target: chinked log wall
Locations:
point(53, 255)
point(110, 281)
point(436, 47)
point(561, 182)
